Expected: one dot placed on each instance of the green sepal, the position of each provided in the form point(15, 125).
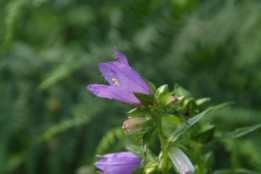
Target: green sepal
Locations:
point(175, 144)
point(152, 86)
point(137, 112)
point(145, 99)
point(152, 168)
point(163, 100)
point(139, 170)
point(179, 91)
point(205, 134)
point(183, 128)
point(135, 149)
point(240, 132)
point(162, 90)
point(152, 156)
point(190, 105)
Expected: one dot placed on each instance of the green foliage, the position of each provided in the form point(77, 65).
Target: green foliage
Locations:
point(109, 139)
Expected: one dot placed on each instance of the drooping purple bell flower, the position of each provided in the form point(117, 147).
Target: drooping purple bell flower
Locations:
point(118, 163)
point(123, 82)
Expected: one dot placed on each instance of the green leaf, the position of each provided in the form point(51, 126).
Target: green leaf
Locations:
point(138, 171)
point(146, 100)
point(182, 129)
point(221, 105)
point(171, 118)
point(240, 132)
point(180, 116)
point(237, 171)
point(135, 149)
point(202, 101)
point(205, 134)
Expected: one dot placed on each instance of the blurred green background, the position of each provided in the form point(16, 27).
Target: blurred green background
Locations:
point(50, 51)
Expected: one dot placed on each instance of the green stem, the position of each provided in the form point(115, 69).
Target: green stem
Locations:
point(201, 167)
point(163, 144)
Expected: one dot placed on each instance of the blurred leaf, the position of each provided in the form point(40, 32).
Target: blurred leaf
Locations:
point(237, 171)
point(63, 126)
point(204, 135)
point(202, 101)
point(240, 132)
point(179, 91)
point(222, 105)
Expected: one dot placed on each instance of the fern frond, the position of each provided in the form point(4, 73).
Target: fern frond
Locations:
point(63, 126)
point(253, 153)
point(109, 138)
point(13, 13)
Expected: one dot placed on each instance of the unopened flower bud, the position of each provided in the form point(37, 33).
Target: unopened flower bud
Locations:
point(181, 161)
point(133, 125)
point(171, 101)
point(163, 90)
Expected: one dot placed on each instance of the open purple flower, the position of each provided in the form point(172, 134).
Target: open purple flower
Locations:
point(118, 163)
point(123, 81)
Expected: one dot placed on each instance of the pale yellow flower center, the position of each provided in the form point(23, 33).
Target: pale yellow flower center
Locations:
point(116, 82)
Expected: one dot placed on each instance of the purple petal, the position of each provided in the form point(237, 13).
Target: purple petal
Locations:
point(119, 163)
point(107, 73)
point(129, 79)
point(122, 57)
point(113, 92)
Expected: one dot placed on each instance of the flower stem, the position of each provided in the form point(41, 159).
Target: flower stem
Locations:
point(201, 167)
point(163, 142)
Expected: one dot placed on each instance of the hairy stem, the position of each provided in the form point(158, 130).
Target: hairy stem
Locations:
point(163, 142)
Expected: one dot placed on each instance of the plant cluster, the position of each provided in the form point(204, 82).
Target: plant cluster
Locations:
point(152, 106)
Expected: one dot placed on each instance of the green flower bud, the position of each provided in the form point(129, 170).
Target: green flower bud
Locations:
point(133, 125)
point(161, 91)
point(171, 101)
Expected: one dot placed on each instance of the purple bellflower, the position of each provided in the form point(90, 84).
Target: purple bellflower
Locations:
point(123, 81)
point(118, 163)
